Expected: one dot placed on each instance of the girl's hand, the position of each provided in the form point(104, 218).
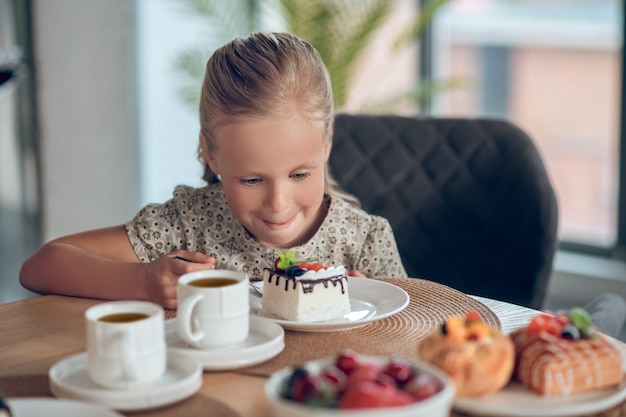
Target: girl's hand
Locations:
point(163, 273)
point(355, 273)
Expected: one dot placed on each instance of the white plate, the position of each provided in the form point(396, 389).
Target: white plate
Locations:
point(50, 407)
point(517, 401)
point(265, 340)
point(183, 377)
point(370, 300)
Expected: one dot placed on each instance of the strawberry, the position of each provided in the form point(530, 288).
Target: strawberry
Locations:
point(400, 371)
point(538, 323)
point(368, 394)
point(399, 398)
point(563, 318)
point(311, 266)
point(365, 372)
point(545, 323)
point(554, 327)
point(276, 261)
point(473, 315)
point(335, 377)
point(385, 381)
point(347, 362)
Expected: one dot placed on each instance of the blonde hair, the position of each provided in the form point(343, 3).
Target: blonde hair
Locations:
point(267, 75)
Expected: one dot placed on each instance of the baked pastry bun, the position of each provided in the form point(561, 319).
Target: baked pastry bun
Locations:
point(477, 357)
point(562, 354)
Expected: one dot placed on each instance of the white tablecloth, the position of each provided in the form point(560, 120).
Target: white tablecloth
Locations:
point(511, 316)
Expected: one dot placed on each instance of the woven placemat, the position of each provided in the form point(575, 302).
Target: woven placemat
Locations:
point(398, 335)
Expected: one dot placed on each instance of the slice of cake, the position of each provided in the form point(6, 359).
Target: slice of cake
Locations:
point(305, 292)
point(561, 354)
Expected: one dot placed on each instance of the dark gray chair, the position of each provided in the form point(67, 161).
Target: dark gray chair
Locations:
point(469, 200)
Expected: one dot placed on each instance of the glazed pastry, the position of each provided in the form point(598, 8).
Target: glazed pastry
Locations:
point(478, 357)
point(561, 354)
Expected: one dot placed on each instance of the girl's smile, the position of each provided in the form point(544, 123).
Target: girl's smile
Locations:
point(278, 225)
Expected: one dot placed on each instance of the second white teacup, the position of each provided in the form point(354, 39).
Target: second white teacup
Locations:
point(213, 308)
point(125, 344)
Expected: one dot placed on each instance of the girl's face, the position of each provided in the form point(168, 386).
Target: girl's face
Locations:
point(272, 171)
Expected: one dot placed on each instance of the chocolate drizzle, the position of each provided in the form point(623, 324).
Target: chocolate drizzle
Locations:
point(307, 284)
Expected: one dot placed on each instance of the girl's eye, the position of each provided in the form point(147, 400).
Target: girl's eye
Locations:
point(250, 181)
point(300, 176)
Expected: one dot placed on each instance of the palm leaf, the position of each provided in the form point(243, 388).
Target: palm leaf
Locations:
point(224, 20)
point(341, 31)
point(189, 66)
point(421, 23)
point(356, 45)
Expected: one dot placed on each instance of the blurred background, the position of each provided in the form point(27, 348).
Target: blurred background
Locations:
point(98, 103)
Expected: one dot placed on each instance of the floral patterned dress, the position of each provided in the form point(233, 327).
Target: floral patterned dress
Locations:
point(199, 220)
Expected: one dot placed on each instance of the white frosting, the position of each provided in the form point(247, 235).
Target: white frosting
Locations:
point(331, 271)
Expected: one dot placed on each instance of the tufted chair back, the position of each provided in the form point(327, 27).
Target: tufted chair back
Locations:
point(469, 200)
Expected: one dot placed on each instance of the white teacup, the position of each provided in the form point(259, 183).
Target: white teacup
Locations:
point(125, 344)
point(213, 308)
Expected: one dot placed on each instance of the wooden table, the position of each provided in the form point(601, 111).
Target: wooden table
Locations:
point(38, 332)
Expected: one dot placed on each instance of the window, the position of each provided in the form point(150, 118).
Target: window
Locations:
point(554, 68)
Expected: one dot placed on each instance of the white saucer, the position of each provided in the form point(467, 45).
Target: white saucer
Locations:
point(265, 340)
point(52, 407)
point(183, 377)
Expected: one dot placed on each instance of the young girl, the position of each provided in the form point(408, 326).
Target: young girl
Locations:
point(266, 117)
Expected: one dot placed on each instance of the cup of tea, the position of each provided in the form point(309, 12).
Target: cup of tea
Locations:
point(125, 344)
point(213, 308)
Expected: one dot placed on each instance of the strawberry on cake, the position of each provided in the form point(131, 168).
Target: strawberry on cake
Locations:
point(305, 292)
point(562, 354)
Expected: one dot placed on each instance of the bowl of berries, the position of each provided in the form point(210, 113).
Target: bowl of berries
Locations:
point(360, 386)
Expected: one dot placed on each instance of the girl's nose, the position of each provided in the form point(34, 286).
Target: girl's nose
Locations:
point(277, 198)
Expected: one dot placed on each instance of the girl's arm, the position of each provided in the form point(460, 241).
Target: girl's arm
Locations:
point(102, 264)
